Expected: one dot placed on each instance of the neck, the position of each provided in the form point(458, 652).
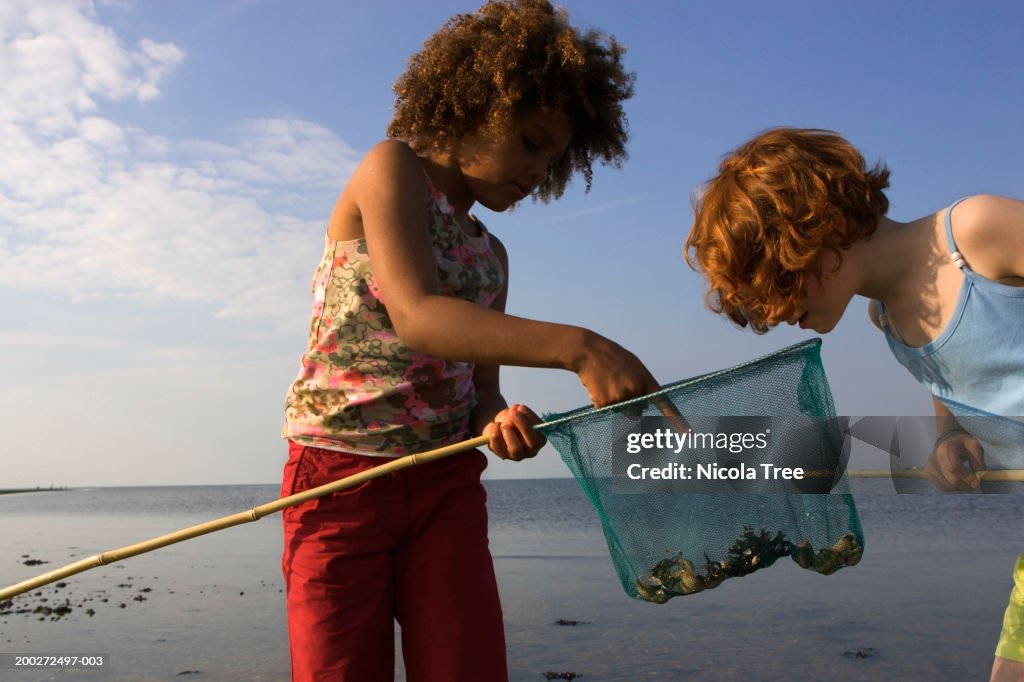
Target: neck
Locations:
point(891, 261)
point(444, 172)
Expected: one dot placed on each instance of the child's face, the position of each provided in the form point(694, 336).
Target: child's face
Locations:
point(502, 168)
point(824, 300)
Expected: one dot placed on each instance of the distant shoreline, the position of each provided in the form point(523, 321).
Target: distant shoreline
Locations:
point(9, 491)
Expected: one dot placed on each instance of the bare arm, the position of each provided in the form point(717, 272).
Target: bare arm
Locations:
point(954, 448)
point(389, 191)
point(944, 419)
point(510, 429)
point(486, 378)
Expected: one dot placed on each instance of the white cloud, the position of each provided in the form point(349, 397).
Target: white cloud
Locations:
point(155, 59)
point(101, 132)
point(94, 209)
point(56, 60)
point(589, 211)
point(40, 340)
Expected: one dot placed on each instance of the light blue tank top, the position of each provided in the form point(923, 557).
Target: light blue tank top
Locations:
point(976, 365)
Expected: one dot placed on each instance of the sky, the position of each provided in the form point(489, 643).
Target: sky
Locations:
point(167, 170)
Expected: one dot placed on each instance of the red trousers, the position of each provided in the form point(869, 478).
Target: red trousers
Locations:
point(410, 546)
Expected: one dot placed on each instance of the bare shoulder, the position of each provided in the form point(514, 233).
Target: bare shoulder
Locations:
point(989, 208)
point(389, 179)
point(391, 149)
point(989, 231)
point(389, 162)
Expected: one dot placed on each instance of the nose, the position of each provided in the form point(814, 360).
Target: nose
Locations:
point(539, 169)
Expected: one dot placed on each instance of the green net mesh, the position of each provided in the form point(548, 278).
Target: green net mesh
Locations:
point(667, 540)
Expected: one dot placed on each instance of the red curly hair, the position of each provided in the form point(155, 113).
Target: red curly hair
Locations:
point(777, 204)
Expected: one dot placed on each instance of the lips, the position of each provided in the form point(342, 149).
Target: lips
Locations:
point(521, 190)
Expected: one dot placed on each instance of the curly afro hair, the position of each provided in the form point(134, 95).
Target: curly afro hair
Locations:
point(511, 56)
point(777, 203)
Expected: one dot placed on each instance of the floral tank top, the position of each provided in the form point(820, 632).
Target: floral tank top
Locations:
point(360, 389)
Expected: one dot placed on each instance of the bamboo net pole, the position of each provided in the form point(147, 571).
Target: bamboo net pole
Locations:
point(253, 514)
point(262, 510)
point(1011, 475)
point(987, 475)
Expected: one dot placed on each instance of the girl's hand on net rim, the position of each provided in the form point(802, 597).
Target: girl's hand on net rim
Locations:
point(512, 435)
point(611, 374)
point(945, 468)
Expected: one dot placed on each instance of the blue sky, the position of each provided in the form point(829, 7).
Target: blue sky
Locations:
point(168, 168)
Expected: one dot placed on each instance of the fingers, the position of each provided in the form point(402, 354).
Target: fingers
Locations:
point(946, 470)
point(950, 463)
point(652, 384)
point(975, 455)
point(612, 374)
point(942, 476)
point(621, 387)
point(512, 436)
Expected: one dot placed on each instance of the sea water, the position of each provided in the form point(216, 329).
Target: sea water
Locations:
point(926, 601)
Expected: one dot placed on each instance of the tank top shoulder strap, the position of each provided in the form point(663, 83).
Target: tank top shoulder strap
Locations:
point(479, 226)
point(430, 183)
point(949, 228)
point(954, 252)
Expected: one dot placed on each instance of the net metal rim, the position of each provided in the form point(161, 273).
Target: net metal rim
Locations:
point(555, 418)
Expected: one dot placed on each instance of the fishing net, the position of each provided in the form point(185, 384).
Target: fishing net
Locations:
point(697, 483)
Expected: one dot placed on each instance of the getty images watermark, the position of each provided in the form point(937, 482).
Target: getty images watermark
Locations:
point(721, 454)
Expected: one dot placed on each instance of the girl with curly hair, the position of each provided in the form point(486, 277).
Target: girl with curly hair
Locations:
point(794, 225)
point(409, 331)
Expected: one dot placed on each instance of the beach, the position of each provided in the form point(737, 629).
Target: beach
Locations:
point(925, 602)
